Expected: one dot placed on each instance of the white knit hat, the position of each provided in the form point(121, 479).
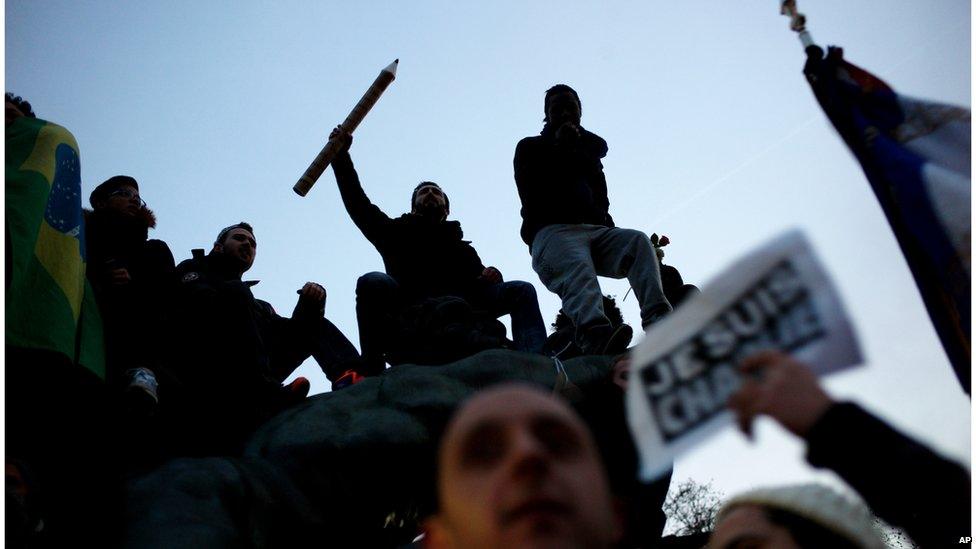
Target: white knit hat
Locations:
point(818, 504)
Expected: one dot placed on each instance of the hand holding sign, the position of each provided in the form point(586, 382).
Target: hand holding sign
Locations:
point(684, 373)
point(782, 388)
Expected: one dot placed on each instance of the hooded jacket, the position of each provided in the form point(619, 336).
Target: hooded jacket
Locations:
point(230, 353)
point(427, 258)
point(121, 240)
point(561, 182)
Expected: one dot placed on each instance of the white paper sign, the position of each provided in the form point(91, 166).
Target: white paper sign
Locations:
point(777, 297)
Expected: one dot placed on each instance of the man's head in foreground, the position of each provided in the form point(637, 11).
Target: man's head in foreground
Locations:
point(807, 516)
point(237, 241)
point(518, 468)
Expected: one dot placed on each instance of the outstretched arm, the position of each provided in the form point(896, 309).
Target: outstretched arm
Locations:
point(903, 481)
point(366, 215)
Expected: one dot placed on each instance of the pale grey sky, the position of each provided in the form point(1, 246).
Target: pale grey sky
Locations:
point(715, 140)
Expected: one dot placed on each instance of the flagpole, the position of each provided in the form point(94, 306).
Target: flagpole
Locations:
point(798, 22)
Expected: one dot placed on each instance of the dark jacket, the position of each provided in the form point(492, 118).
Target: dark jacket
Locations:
point(230, 353)
point(903, 482)
point(133, 313)
point(427, 258)
point(561, 182)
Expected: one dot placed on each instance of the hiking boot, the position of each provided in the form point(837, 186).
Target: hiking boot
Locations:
point(606, 340)
point(293, 393)
point(656, 316)
point(299, 388)
point(141, 392)
point(144, 380)
point(349, 377)
point(619, 340)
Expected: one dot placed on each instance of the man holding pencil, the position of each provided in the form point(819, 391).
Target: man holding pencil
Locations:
point(426, 256)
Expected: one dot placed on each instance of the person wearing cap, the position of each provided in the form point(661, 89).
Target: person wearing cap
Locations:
point(425, 256)
point(567, 225)
point(232, 352)
point(904, 482)
point(805, 516)
point(518, 468)
point(132, 276)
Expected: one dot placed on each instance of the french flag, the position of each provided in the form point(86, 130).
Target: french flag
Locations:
point(916, 156)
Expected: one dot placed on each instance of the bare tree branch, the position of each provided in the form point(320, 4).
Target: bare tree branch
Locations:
point(691, 508)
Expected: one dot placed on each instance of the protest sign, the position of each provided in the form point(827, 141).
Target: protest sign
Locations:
point(777, 297)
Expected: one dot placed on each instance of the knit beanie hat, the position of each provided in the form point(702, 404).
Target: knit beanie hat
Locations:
point(110, 185)
point(818, 504)
point(223, 232)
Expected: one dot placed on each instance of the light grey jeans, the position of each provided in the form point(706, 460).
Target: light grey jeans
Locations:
point(568, 258)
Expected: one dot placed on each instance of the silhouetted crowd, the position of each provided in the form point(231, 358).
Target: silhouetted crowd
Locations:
point(194, 363)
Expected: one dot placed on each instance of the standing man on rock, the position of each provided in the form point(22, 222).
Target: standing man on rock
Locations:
point(566, 223)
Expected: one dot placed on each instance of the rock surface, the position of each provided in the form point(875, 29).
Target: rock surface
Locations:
point(356, 467)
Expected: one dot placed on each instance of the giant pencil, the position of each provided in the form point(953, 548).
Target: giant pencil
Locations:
point(352, 121)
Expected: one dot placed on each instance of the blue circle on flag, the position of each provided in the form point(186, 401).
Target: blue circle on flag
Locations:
point(63, 211)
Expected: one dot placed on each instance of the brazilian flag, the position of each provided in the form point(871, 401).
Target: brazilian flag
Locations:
point(49, 304)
